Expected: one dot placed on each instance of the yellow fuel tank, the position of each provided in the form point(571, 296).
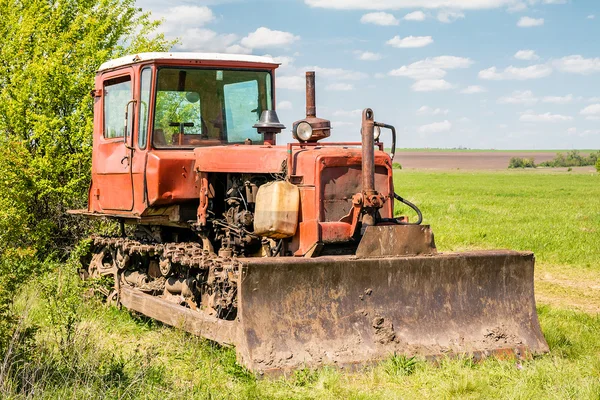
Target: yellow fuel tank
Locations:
point(277, 206)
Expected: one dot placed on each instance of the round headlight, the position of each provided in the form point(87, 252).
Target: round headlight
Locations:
point(304, 131)
point(376, 132)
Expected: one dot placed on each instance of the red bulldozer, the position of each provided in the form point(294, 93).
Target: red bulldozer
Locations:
point(291, 253)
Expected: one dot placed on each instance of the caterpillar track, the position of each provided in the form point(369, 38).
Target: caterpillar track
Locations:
point(182, 273)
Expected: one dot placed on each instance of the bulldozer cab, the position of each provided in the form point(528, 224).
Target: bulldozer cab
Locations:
point(171, 103)
point(203, 107)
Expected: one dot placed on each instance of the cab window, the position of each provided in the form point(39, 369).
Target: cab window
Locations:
point(117, 92)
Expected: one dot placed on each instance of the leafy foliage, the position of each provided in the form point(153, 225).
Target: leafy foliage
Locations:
point(572, 159)
point(48, 58)
point(519, 162)
point(400, 365)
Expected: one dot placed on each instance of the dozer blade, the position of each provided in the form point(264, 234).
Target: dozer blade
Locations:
point(346, 311)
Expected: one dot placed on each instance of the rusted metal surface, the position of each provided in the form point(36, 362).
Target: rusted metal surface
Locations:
point(368, 153)
point(396, 240)
point(348, 310)
point(311, 109)
point(321, 128)
point(240, 158)
point(370, 200)
point(195, 322)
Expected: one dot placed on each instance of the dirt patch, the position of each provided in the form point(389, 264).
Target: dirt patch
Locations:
point(471, 160)
point(581, 292)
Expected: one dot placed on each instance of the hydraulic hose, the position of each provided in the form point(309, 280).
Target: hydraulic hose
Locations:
point(414, 207)
point(390, 127)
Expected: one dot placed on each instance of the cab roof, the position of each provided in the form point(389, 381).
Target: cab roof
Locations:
point(140, 57)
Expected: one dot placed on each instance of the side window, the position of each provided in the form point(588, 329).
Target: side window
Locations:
point(117, 92)
point(241, 110)
point(145, 84)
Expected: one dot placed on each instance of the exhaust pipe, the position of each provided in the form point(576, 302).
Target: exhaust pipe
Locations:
point(311, 108)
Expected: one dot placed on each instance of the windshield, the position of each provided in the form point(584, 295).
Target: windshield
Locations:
point(204, 107)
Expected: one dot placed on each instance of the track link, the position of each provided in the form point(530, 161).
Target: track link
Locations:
point(182, 272)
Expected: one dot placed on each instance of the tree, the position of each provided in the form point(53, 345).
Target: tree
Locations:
point(50, 52)
point(48, 57)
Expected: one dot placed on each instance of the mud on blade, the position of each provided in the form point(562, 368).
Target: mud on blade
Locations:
point(346, 310)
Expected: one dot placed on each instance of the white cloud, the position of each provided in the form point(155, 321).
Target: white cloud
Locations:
point(528, 55)
point(430, 85)
point(426, 110)
point(237, 49)
point(593, 99)
point(410, 41)
point(182, 16)
point(517, 7)
point(514, 73)
point(529, 116)
point(399, 4)
point(284, 61)
point(337, 73)
point(415, 16)
point(340, 87)
point(576, 64)
point(418, 73)
point(444, 62)
point(463, 120)
point(587, 132)
point(200, 39)
point(449, 16)
point(368, 56)
point(591, 16)
point(291, 82)
point(593, 109)
point(431, 68)
point(593, 118)
point(473, 89)
point(528, 22)
point(519, 97)
point(558, 99)
point(436, 127)
point(347, 113)
point(284, 105)
point(379, 18)
point(265, 37)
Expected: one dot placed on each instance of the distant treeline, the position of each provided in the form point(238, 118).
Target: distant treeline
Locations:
point(571, 159)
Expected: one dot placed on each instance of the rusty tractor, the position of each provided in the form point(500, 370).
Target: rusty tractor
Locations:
point(291, 253)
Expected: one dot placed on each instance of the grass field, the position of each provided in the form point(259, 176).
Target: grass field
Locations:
point(83, 349)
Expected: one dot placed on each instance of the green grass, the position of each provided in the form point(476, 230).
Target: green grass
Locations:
point(108, 353)
point(555, 215)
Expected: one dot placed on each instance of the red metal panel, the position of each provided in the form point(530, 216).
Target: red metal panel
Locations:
point(240, 158)
point(170, 177)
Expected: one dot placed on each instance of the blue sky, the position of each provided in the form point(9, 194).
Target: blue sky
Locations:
point(504, 74)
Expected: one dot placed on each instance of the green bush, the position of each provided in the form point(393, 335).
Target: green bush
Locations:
point(572, 159)
point(48, 61)
point(598, 165)
point(519, 162)
point(396, 166)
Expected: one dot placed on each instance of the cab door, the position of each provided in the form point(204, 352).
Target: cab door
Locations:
point(114, 150)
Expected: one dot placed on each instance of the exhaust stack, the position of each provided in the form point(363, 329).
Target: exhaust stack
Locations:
point(321, 128)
